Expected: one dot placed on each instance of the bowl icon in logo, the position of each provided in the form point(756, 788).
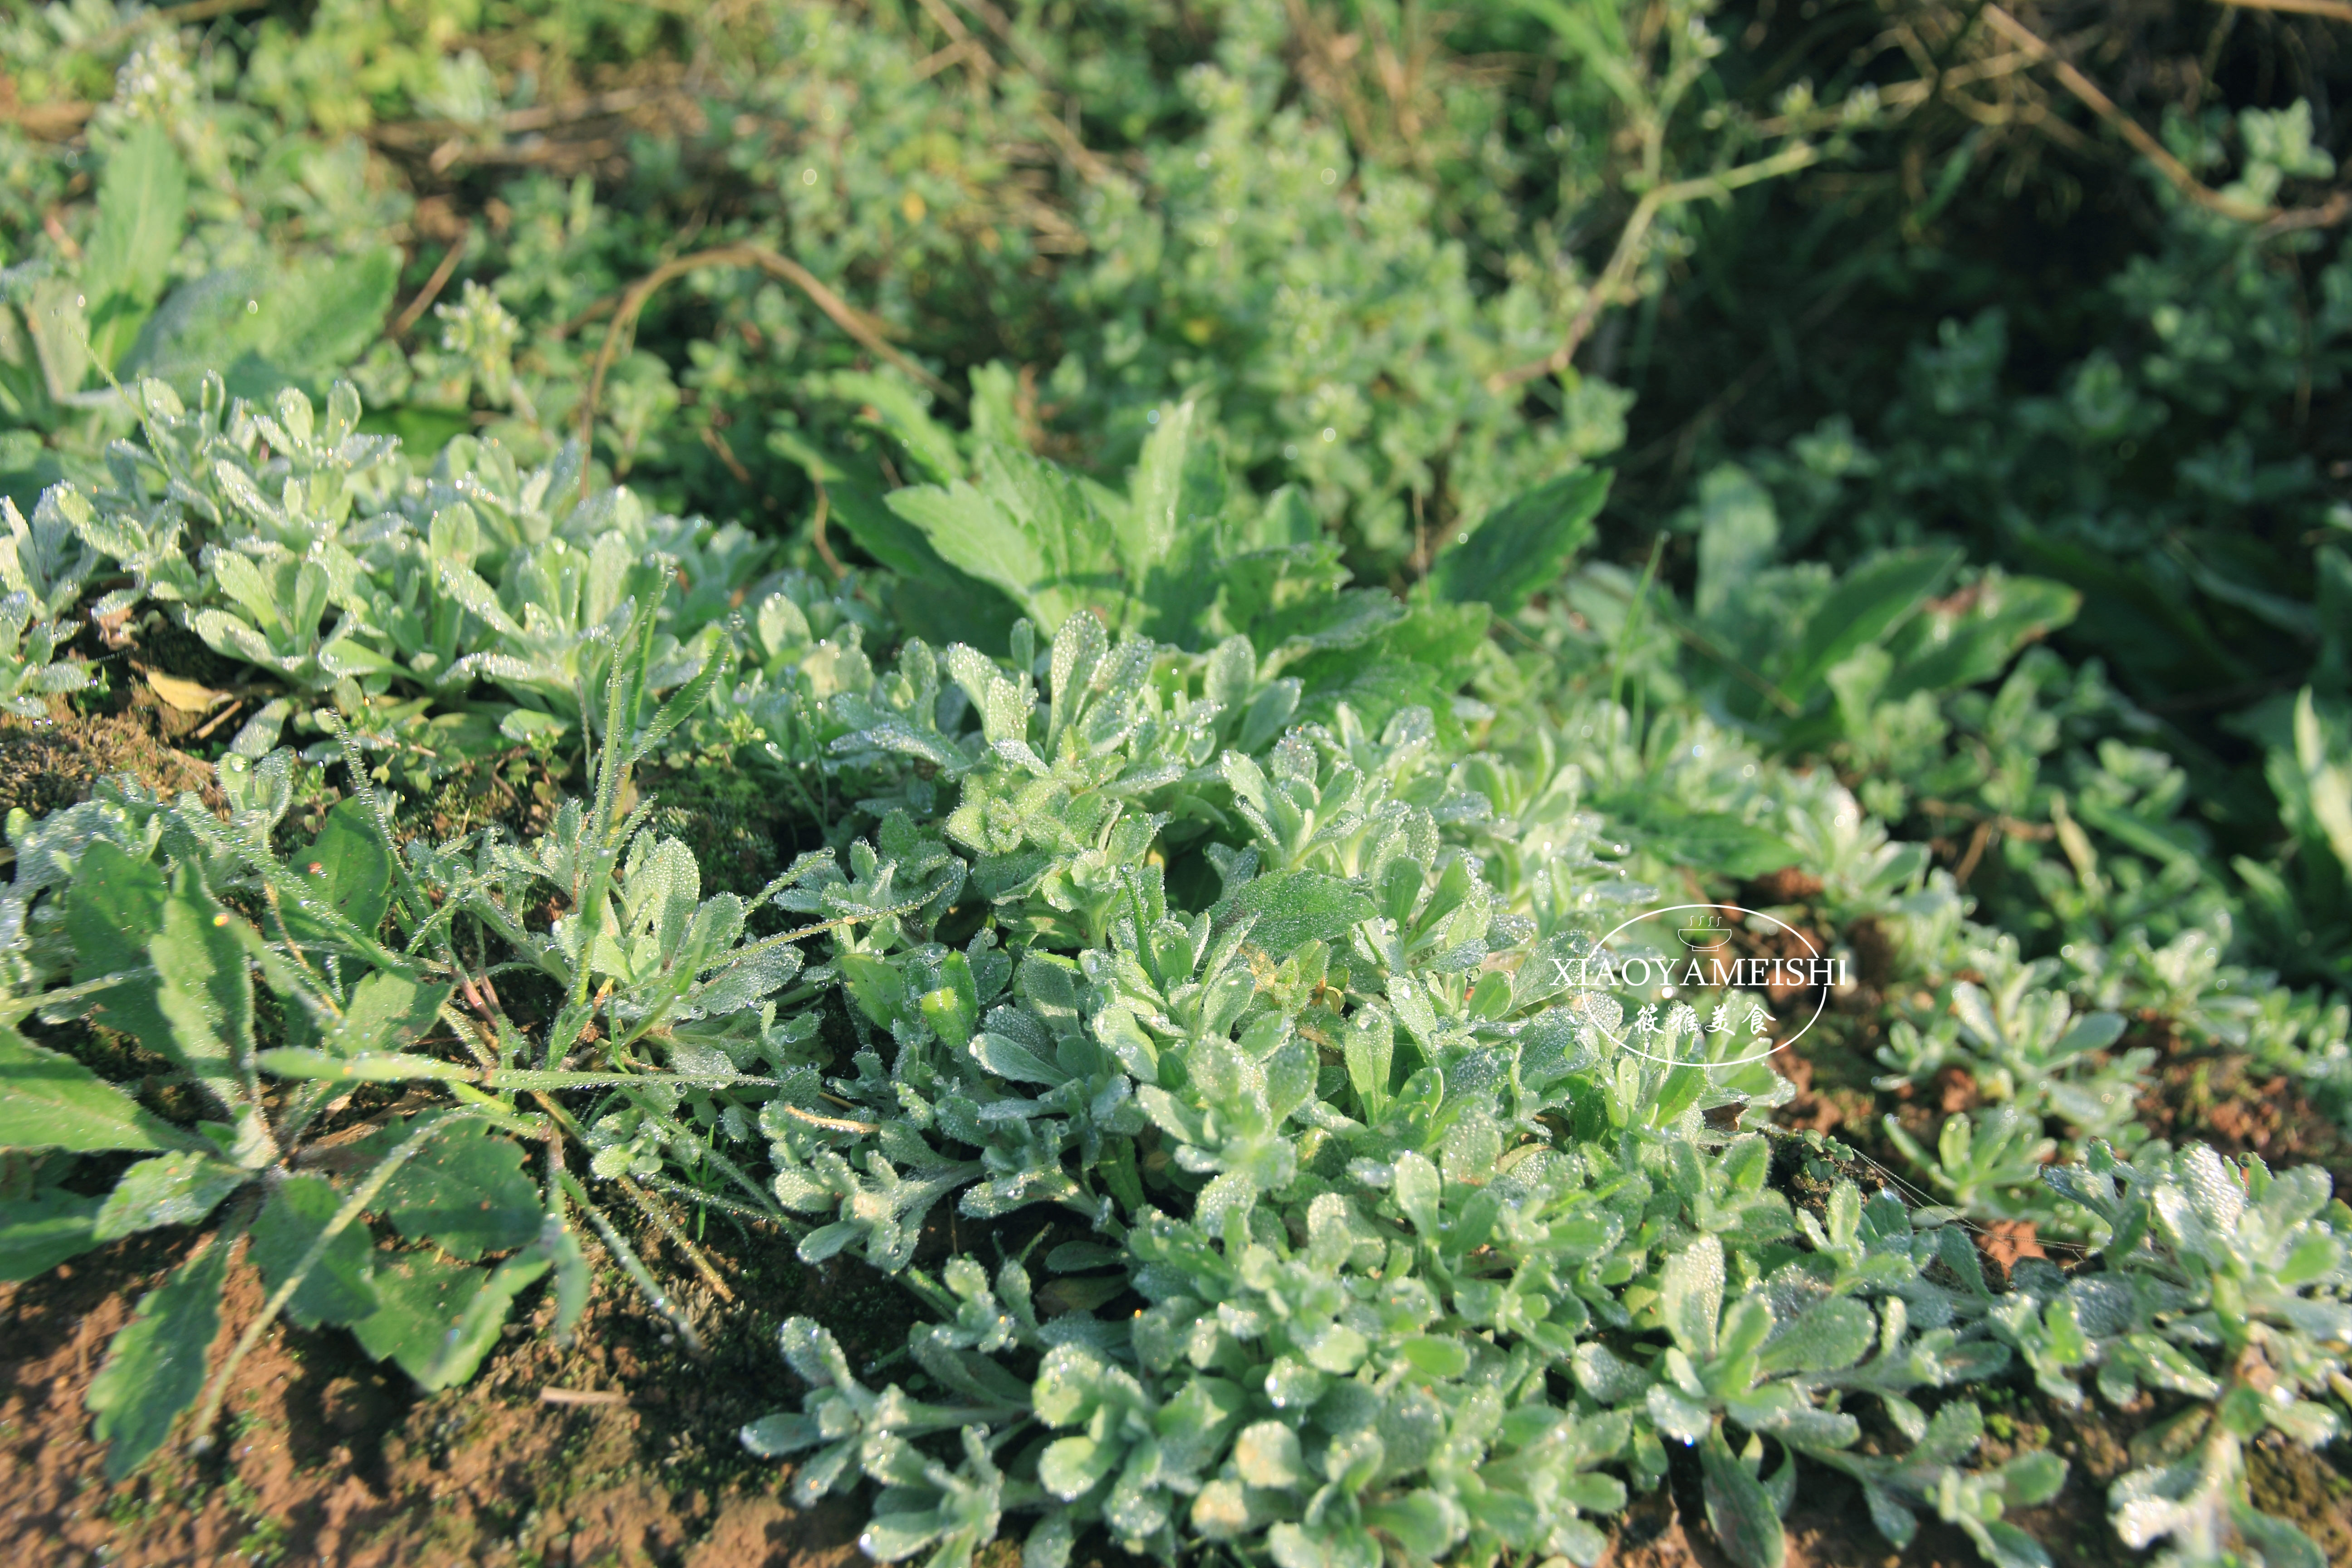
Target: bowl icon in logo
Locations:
point(1706, 934)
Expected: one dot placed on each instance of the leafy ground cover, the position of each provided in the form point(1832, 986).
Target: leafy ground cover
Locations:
point(829, 780)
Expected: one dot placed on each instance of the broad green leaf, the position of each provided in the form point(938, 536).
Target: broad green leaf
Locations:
point(203, 992)
point(340, 1287)
point(2325, 779)
point(1426, 1523)
point(179, 1188)
point(48, 1100)
point(1739, 1508)
point(874, 985)
point(1519, 549)
point(1867, 603)
point(1294, 907)
point(114, 909)
point(346, 869)
point(1027, 527)
point(421, 1298)
point(476, 1330)
point(951, 605)
point(142, 201)
point(2282, 1543)
point(38, 1233)
point(467, 1192)
point(387, 1013)
point(264, 326)
point(1973, 640)
point(155, 1367)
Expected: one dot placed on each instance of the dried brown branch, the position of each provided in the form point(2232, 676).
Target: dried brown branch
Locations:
point(2131, 130)
point(416, 308)
point(856, 323)
point(1615, 275)
point(2333, 10)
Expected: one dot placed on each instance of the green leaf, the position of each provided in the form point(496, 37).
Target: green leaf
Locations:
point(1522, 546)
point(1739, 1508)
point(155, 1367)
point(1295, 907)
point(1830, 1336)
point(143, 203)
point(1690, 1295)
point(178, 1188)
point(340, 1289)
point(115, 907)
point(1713, 842)
point(1738, 532)
point(476, 1330)
point(424, 1298)
point(38, 1233)
point(388, 1013)
point(2325, 779)
point(467, 1192)
point(348, 871)
point(368, 1067)
point(1028, 528)
point(1944, 650)
point(203, 992)
point(2282, 1544)
point(1425, 1523)
point(1867, 603)
point(264, 327)
point(48, 1100)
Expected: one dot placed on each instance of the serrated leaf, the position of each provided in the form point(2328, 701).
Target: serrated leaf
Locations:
point(470, 1338)
point(422, 1297)
point(467, 1192)
point(179, 1188)
point(340, 1288)
point(1523, 545)
point(155, 1367)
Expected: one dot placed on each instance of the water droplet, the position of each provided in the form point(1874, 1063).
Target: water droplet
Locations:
point(253, 307)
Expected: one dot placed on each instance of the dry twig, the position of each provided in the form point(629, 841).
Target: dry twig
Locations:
point(856, 323)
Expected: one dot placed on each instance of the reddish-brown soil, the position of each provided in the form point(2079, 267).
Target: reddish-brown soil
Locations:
point(329, 1457)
